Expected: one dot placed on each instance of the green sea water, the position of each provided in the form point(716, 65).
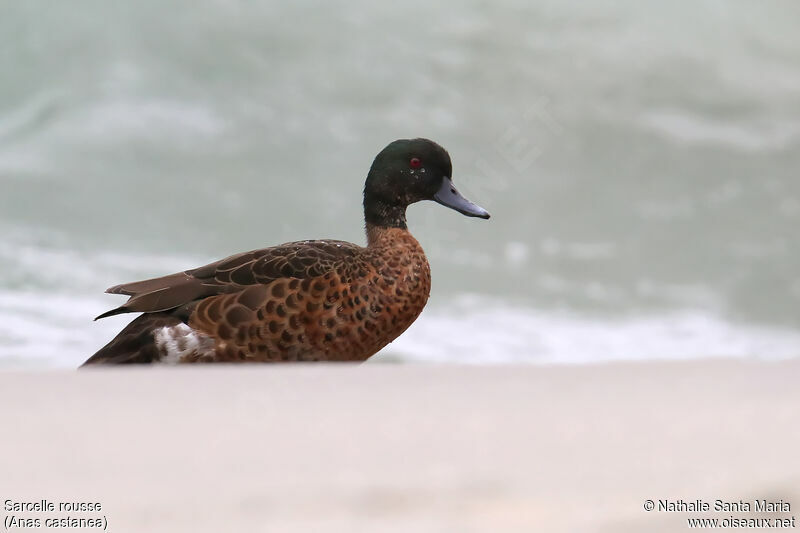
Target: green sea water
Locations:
point(640, 161)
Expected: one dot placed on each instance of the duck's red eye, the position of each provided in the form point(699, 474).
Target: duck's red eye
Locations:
point(415, 162)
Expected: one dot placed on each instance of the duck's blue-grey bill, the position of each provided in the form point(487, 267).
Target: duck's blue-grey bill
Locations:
point(450, 197)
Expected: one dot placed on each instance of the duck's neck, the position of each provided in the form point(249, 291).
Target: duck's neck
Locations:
point(379, 213)
point(378, 236)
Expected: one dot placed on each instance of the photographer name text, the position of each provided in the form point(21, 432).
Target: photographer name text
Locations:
point(723, 506)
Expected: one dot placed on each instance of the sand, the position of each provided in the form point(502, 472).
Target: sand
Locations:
point(391, 448)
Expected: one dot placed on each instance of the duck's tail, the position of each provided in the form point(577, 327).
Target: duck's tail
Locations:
point(136, 343)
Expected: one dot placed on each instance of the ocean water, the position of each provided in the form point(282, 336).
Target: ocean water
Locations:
point(640, 161)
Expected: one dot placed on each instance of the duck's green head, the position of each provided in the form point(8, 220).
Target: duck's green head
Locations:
point(407, 171)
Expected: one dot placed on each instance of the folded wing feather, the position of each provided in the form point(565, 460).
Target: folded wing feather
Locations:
point(291, 260)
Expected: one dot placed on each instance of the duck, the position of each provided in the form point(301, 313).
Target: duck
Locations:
point(313, 300)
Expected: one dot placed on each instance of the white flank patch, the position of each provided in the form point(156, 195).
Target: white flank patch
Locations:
point(176, 342)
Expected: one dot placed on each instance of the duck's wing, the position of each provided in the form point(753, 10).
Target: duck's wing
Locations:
point(299, 260)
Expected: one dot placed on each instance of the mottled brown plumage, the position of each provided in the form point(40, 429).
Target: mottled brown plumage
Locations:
point(301, 301)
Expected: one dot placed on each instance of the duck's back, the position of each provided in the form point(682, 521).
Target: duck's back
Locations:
point(301, 301)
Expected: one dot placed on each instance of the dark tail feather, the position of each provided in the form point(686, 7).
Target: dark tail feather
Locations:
point(118, 311)
point(135, 344)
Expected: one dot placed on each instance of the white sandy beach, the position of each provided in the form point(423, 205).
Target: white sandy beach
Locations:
point(394, 448)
